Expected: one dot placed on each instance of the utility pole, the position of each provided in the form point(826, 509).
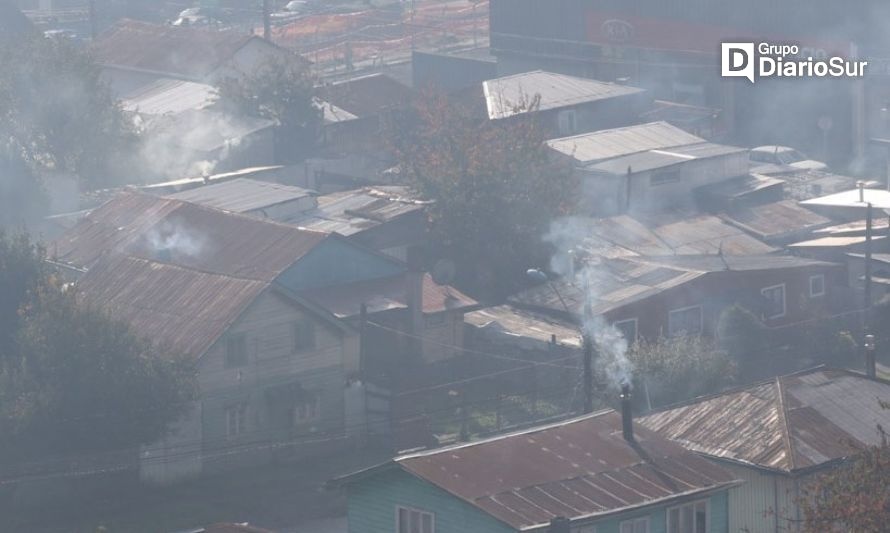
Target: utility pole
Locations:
point(267, 20)
point(868, 235)
point(588, 373)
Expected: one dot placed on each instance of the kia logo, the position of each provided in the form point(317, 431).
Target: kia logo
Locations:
point(617, 31)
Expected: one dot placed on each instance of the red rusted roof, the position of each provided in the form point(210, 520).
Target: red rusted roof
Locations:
point(384, 294)
point(580, 468)
point(790, 423)
point(182, 309)
point(190, 52)
point(186, 234)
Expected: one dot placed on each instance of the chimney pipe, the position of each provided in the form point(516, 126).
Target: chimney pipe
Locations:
point(627, 421)
point(559, 524)
point(870, 363)
point(861, 185)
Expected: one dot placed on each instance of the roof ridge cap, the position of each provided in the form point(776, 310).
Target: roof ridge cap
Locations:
point(782, 413)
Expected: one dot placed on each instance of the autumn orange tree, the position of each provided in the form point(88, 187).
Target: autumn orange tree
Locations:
point(853, 498)
point(495, 188)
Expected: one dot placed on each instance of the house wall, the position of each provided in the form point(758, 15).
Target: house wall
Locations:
point(594, 116)
point(335, 262)
point(253, 55)
point(372, 507)
point(765, 502)
point(718, 290)
point(372, 502)
point(441, 332)
point(273, 361)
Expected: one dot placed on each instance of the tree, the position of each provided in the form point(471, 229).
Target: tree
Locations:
point(56, 113)
point(73, 380)
point(22, 271)
point(494, 188)
point(281, 91)
point(855, 497)
point(673, 369)
point(747, 341)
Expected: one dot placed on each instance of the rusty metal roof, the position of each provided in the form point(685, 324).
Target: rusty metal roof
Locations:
point(523, 327)
point(777, 220)
point(789, 423)
point(180, 308)
point(241, 195)
point(366, 96)
point(385, 294)
point(185, 234)
point(581, 469)
point(192, 53)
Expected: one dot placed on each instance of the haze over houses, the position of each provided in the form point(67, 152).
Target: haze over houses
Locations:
point(663, 320)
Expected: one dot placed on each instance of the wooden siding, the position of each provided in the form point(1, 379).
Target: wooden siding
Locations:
point(372, 506)
point(764, 503)
point(336, 262)
point(372, 503)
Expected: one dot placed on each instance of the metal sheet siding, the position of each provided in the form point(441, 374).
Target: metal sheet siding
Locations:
point(372, 506)
point(335, 262)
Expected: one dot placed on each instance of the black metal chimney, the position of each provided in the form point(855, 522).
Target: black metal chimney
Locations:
point(559, 524)
point(627, 415)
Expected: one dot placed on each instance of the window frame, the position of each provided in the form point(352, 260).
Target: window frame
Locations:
point(244, 358)
point(821, 278)
point(569, 119)
point(315, 403)
point(784, 299)
point(636, 324)
point(632, 522)
point(665, 177)
point(241, 410)
point(420, 513)
point(701, 320)
point(693, 504)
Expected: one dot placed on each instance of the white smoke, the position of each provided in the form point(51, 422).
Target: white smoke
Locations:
point(173, 239)
point(577, 258)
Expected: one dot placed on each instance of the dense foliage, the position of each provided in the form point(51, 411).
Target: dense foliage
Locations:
point(281, 91)
point(73, 379)
point(493, 184)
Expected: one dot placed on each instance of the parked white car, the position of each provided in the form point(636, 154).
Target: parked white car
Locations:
point(784, 155)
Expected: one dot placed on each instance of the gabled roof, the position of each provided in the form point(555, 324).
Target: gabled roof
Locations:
point(181, 309)
point(191, 53)
point(167, 96)
point(617, 142)
point(185, 234)
point(776, 220)
point(503, 95)
point(581, 468)
point(366, 96)
point(663, 158)
point(787, 424)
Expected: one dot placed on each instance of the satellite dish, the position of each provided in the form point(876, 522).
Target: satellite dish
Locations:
point(444, 271)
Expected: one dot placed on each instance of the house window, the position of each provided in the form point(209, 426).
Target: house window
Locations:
point(236, 420)
point(817, 285)
point(628, 329)
point(236, 350)
point(414, 521)
point(664, 177)
point(568, 122)
point(304, 336)
point(637, 525)
point(685, 321)
point(693, 517)
point(306, 411)
point(775, 301)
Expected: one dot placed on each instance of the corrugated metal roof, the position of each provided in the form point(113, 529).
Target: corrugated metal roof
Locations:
point(655, 159)
point(834, 241)
point(775, 220)
point(606, 144)
point(385, 294)
point(518, 325)
point(579, 469)
point(613, 283)
point(857, 227)
point(716, 263)
point(351, 212)
point(193, 53)
point(168, 96)
point(503, 96)
point(665, 234)
point(193, 236)
point(184, 309)
point(739, 187)
point(366, 96)
point(242, 195)
point(790, 423)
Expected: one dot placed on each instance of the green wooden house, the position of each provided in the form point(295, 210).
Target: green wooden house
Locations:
point(592, 474)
